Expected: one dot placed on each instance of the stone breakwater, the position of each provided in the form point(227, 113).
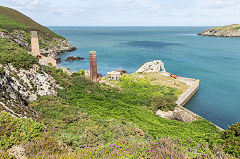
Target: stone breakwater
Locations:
point(193, 88)
point(180, 113)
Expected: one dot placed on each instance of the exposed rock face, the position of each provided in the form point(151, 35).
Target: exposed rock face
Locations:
point(72, 58)
point(18, 37)
point(61, 47)
point(53, 47)
point(226, 31)
point(180, 114)
point(18, 87)
point(152, 66)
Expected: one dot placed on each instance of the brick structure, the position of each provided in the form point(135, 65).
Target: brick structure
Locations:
point(93, 66)
point(34, 43)
point(36, 52)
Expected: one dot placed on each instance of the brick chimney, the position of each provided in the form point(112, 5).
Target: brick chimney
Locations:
point(93, 66)
point(34, 43)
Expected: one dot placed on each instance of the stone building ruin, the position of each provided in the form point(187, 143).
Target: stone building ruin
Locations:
point(116, 74)
point(35, 51)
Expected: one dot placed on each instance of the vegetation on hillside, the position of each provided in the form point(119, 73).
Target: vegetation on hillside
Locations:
point(97, 121)
point(91, 120)
point(228, 27)
point(231, 139)
point(11, 52)
point(11, 20)
point(96, 116)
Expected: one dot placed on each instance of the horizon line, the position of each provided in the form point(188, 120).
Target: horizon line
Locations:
point(132, 25)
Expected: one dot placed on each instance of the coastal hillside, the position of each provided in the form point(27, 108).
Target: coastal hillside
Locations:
point(11, 19)
point(225, 31)
point(46, 112)
point(16, 27)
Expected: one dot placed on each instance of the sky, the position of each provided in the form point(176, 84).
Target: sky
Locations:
point(129, 12)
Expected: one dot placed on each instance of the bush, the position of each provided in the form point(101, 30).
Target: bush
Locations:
point(1, 70)
point(231, 139)
point(165, 103)
point(44, 146)
point(16, 131)
point(12, 53)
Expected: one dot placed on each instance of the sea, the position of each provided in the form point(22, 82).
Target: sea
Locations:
point(213, 60)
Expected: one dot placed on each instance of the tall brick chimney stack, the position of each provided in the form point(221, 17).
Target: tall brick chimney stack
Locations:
point(34, 43)
point(93, 66)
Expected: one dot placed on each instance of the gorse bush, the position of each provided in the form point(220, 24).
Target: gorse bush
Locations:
point(231, 139)
point(16, 131)
point(10, 52)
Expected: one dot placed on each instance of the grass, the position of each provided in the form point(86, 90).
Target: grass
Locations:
point(232, 27)
point(11, 20)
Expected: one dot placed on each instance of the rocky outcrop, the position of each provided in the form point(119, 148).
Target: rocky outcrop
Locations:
point(18, 87)
point(51, 47)
point(72, 58)
point(61, 47)
point(225, 31)
point(152, 66)
point(179, 113)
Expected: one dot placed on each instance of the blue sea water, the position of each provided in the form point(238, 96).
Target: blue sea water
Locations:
point(215, 61)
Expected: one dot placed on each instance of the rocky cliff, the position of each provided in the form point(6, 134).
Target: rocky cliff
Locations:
point(20, 86)
point(22, 78)
point(48, 47)
point(17, 26)
point(225, 31)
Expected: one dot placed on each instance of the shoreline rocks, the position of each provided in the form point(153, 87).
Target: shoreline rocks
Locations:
point(72, 58)
point(225, 31)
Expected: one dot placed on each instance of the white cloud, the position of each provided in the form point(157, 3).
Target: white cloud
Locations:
point(128, 12)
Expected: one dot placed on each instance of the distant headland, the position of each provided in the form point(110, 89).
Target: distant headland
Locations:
point(224, 31)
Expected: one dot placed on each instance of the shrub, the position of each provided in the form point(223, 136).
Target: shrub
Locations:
point(44, 145)
point(12, 53)
point(16, 131)
point(231, 139)
point(1, 70)
point(165, 103)
point(165, 148)
point(6, 155)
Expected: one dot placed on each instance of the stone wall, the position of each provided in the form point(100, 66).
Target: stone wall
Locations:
point(187, 95)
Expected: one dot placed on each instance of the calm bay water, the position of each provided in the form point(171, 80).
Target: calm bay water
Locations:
point(215, 61)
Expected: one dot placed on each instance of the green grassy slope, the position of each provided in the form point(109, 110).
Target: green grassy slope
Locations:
point(228, 27)
point(105, 104)
point(11, 52)
point(11, 19)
